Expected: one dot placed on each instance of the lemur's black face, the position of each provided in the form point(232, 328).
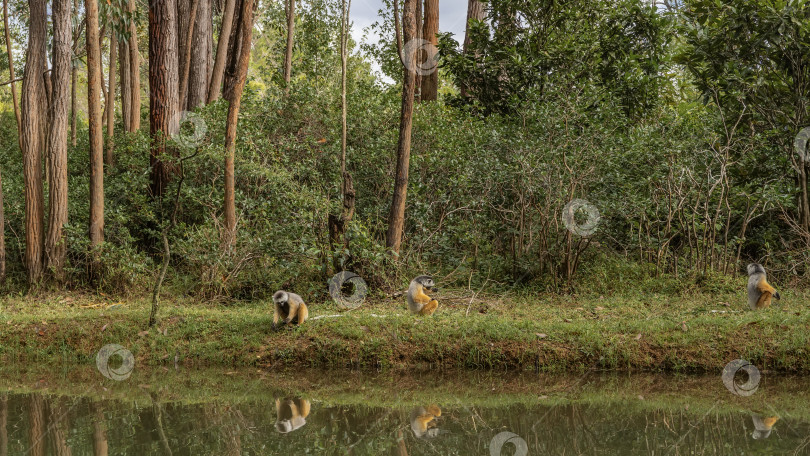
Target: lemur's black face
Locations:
point(428, 283)
point(283, 305)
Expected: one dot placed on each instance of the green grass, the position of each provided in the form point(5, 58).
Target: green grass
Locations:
point(521, 331)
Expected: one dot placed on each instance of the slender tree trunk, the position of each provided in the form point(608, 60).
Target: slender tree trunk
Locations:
point(95, 121)
point(36, 421)
point(420, 52)
point(164, 90)
point(344, 58)
point(184, 20)
point(105, 94)
point(11, 69)
point(2, 236)
point(100, 445)
point(3, 425)
point(290, 39)
point(4, 442)
point(202, 58)
point(234, 51)
point(126, 87)
point(475, 10)
point(430, 82)
point(111, 98)
point(396, 218)
point(804, 195)
point(55, 248)
point(186, 48)
point(157, 411)
point(34, 119)
point(398, 30)
point(246, 26)
point(215, 86)
point(338, 223)
point(57, 426)
point(46, 80)
point(135, 73)
point(74, 75)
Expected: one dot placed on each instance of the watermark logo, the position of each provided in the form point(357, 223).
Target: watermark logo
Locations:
point(191, 129)
point(342, 279)
point(580, 206)
point(497, 443)
point(801, 144)
point(121, 372)
point(739, 370)
point(421, 57)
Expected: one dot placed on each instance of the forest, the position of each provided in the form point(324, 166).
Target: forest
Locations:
point(218, 219)
point(224, 149)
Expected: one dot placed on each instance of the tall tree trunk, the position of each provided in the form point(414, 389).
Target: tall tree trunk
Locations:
point(475, 10)
point(804, 197)
point(74, 76)
point(186, 49)
point(234, 51)
point(246, 27)
point(73, 106)
point(126, 87)
point(396, 218)
point(95, 121)
point(100, 445)
point(337, 224)
point(184, 20)
point(36, 422)
point(202, 57)
point(430, 81)
point(111, 98)
point(55, 248)
point(215, 85)
point(2, 236)
point(46, 80)
point(34, 119)
point(135, 72)
point(4, 443)
point(3, 425)
point(157, 411)
point(11, 69)
point(105, 94)
point(344, 60)
point(57, 427)
point(420, 53)
point(164, 90)
point(290, 39)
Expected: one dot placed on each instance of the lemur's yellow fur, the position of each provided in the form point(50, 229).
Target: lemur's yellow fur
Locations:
point(291, 414)
point(289, 308)
point(760, 291)
point(423, 421)
point(428, 305)
point(418, 300)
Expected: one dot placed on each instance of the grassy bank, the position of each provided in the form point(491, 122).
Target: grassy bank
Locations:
point(650, 332)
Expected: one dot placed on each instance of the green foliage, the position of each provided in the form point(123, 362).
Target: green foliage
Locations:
point(620, 48)
point(581, 102)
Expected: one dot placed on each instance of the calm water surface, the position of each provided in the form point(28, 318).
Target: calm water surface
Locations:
point(219, 412)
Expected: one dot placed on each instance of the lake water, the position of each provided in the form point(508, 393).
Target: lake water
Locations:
point(188, 411)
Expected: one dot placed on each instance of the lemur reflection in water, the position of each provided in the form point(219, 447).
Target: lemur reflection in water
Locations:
point(291, 414)
point(763, 425)
point(424, 421)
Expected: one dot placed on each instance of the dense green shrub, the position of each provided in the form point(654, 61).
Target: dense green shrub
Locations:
point(677, 194)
